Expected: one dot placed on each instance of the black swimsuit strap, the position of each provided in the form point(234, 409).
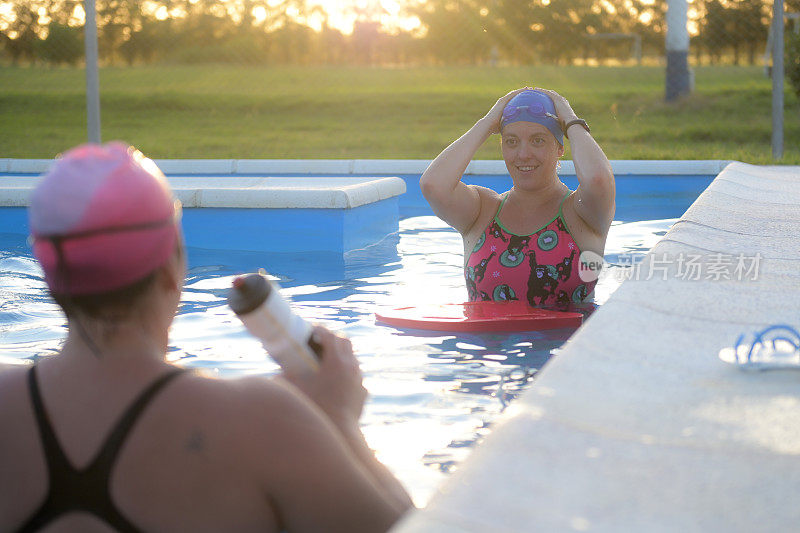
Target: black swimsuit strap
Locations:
point(86, 490)
point(108, 453)
point(54, 455)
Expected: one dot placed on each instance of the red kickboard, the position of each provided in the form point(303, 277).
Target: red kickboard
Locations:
point(479, 317)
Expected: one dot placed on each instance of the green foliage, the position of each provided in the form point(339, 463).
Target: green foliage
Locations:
point(24, 26)
point(241, 50)
point(453, 31)
point(792, 61)
point(731, 29)
point(63, 44)
point(148, 43)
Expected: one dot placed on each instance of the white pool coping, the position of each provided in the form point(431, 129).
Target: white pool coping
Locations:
point(224, 182)
point(249, 192)
point(636, 424)
point(373, 166)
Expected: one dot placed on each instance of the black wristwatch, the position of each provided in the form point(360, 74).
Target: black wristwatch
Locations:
point(576, 121)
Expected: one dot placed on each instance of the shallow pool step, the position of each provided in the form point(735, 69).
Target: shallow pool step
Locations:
point(270, 214)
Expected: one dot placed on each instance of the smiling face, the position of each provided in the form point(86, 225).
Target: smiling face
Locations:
point(531, 153)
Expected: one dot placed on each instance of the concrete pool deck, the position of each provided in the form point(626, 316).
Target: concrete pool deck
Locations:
point(636, 424)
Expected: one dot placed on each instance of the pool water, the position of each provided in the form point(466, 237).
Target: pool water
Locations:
point(432, 395)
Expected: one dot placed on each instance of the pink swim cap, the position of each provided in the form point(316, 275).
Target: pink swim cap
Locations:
point(102, 218)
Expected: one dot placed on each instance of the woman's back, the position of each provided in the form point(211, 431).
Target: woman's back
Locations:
point(183, 465)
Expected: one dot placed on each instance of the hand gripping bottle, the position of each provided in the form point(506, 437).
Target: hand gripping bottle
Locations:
point(268, 317)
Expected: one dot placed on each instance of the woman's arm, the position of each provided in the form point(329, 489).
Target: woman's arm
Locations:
point(451, 200)
point(337, 390)
point(596, 190)
point(309, 472)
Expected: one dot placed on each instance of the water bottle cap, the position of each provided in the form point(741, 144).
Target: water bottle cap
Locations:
point(248, 293)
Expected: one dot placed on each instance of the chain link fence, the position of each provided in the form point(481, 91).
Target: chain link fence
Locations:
point(385, 78)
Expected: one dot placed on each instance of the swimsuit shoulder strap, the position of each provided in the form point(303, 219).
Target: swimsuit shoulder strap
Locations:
point(502, 203)
point(85, 490)
point(108, 454)
point(58, 467)
point(561, 205)
point(56, 459)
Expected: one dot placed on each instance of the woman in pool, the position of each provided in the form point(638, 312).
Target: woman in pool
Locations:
point(108, 435)
point(525, 244)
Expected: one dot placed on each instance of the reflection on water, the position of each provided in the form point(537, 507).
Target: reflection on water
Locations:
point(432, 395)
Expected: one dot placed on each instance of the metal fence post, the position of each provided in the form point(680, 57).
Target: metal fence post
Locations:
point(677, 44)
point(777, 79)
point(92, 75)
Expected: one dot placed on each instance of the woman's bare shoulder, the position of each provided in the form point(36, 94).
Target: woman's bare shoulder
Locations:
point(263, 425)
point(12, 371)
point(14, 392)
point(243, 392)
point(250, 403)
point(490, 201)
point(486, 193)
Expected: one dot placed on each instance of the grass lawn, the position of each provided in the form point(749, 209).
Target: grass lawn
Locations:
point(381, 113)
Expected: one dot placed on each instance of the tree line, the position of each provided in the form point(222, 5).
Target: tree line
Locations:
point(450, 32)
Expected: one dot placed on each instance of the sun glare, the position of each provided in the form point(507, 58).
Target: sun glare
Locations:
point(343, 14)
point(260, 14)
point(6, 14)
point(392, 16)
point(79, 15)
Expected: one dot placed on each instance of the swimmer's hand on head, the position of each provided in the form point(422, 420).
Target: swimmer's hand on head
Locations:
point(451, 200)
point(563, 108)
point(492, 119)
point(595, 197)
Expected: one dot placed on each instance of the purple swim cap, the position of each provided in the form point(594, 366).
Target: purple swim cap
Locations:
point(102, 218)
point(533, 106)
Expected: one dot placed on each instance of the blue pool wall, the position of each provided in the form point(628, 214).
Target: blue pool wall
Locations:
point(268, 230)
point(14, 220)
point(646, 190)
point(639, 196)
point(290, 230)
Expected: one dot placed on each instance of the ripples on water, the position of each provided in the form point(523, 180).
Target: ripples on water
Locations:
point(432, 395)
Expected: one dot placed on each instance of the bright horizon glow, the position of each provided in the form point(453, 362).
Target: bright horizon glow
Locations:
point(338, 14)
point(343, 14)
point(6, 13)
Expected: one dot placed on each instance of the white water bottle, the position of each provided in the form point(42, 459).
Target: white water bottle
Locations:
point(268, 317)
